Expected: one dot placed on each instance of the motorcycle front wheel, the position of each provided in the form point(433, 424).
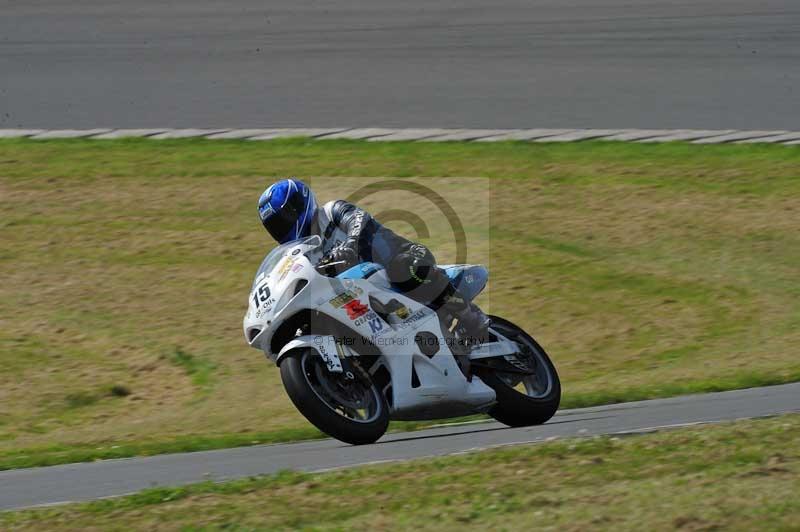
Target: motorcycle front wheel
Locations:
point(346, 406)
point(529, 390)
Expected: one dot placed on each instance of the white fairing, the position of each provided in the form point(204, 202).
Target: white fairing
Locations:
point(421, 386)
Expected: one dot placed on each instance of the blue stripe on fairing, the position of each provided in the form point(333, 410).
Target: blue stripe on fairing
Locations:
point(360, 271)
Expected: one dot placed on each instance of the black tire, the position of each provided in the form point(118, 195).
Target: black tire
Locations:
point(514, 408)
point(297, 379)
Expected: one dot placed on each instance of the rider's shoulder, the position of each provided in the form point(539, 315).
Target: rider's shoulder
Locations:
point(335, 208)
point(328, 207)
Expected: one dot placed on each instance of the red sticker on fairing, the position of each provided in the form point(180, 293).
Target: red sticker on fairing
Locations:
point(355, 309)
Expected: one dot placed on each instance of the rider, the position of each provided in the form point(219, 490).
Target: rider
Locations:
point(288, 211)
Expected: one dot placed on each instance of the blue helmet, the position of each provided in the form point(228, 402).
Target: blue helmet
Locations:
point(287, 209)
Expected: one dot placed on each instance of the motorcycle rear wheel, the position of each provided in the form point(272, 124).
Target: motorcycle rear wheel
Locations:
point(523, 400)
point(351, 410)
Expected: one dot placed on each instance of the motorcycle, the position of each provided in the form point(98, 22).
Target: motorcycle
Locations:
point(354, 353)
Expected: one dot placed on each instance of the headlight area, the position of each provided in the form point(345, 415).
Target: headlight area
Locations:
point(256, 323)
point(251, 334)
point(289, 295)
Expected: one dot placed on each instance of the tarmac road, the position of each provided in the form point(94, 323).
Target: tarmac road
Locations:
point(705, 64)
point(81, 482)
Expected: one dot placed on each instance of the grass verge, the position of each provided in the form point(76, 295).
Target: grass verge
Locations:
point(742, 475)
point(644, 270)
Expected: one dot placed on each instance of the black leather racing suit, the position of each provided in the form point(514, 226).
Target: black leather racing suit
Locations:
point(410, 266)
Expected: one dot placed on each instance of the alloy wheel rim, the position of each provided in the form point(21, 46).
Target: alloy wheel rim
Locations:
point(536, 386)
point(354, 400)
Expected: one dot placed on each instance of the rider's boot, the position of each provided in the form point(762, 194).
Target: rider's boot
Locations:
point(471, 319)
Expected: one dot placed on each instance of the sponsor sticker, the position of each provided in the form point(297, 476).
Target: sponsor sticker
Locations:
point(345, 297)
point(331, 359)
point(364, 319)
point(265, 308)
point(355, 309)
point(285, 267)
point(376, 325)
point(342, 299)
point(413, 320)
point(403, 312)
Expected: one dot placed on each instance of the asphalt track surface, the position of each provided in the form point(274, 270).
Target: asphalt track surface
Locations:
point(81, 482)
point(704, 64)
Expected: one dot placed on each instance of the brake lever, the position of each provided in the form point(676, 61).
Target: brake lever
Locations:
point(330, 268)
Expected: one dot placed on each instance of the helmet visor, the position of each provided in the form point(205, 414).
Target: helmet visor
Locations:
point(282, 223)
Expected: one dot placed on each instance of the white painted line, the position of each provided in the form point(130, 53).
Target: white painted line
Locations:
point(186, 133)
point(128, 133)
point(739, 135)
point(468, 134)
point(412, 134)
point(68, 133)
point(795, 135)
point(240, 133)
point(359, 133)
point(16, 133)
point(296, 132)
point(581, 134)
point(696, 136)
point(526, 134)
point(638, 134)
point(688, 134)
point(460, 423)
point(792, 143)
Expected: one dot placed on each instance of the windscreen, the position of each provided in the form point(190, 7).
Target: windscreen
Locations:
point(271, 260)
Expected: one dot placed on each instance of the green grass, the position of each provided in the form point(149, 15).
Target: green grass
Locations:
point(644, 270)
point(91, 159)
point(201, 371)
point(65, 454)
point(734, 476)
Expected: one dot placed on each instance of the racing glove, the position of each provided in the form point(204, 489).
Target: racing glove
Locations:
point(342, 253)
point(338, 260)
